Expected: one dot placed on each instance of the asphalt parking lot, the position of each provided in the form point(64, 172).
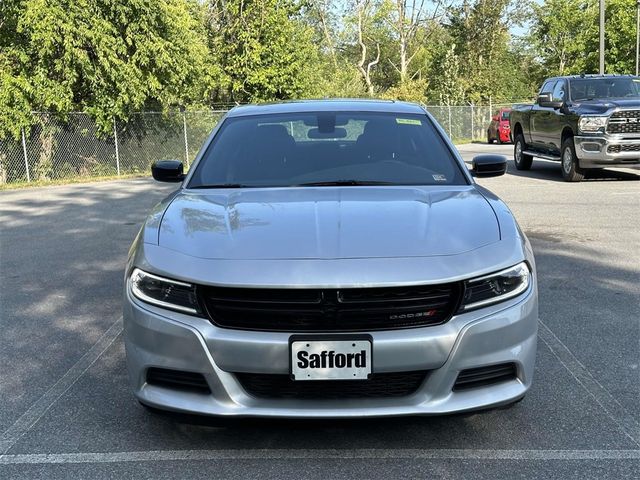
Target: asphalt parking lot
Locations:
point(66, 409)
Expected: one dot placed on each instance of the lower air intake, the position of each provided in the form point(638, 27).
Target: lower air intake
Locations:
point(381, 385)
point(483, 376)
point(177, 380)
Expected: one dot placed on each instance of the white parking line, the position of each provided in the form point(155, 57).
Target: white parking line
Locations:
point(625, 420)
point(296, 454)
point(29, 418)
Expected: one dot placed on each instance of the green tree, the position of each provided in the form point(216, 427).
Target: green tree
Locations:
point(447, 87)
point(620, 28)
point(106, 57)
point(366, 42)
point(15, 106)
point(265, 50)
point(480, 32)
point(563, 34)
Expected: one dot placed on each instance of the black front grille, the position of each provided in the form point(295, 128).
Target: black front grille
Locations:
point(483, 376)
point(177, 380)
point(330, 310)
point(624, 121)
point(624, 148)
point(380, 385)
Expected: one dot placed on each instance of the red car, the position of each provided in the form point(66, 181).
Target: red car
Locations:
point(499, 129)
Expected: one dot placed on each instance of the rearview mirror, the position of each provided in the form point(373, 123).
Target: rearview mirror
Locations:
point(546, 100)
point(489, 165)
point(335, 133)
point(167, 171)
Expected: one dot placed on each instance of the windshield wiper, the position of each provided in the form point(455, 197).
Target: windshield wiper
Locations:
point(223, 185)
point(343, 183)
point(330, 183)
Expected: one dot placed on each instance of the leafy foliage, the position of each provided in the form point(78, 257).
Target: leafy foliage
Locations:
point(565, 34)
point(107, 57)
point(112, 58)
point(264, 49)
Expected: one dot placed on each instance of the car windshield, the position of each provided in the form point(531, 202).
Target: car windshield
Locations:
point(505, 114)
point(327, 148)
point(592, 88)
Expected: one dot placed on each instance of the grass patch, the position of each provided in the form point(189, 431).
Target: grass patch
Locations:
point(68, 181)
point(466, 141)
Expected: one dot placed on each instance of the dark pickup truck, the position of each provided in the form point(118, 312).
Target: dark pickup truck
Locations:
point(584, 122)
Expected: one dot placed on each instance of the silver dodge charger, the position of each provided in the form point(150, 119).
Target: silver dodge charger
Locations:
point(330, 259)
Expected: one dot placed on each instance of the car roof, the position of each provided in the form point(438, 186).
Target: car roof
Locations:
point(328, 105)
point(592, 75)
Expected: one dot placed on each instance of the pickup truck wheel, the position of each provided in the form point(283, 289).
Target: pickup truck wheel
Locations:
point(521, 159)
point(571, 171)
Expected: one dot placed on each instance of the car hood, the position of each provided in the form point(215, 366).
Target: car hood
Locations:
point(328, 222)
point(603, 106)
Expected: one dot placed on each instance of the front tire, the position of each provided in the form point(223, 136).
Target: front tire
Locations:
point(571, 171)
point(521, 159)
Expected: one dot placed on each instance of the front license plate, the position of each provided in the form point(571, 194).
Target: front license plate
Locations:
point(331, 359)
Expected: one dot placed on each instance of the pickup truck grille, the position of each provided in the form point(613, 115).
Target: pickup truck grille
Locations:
point(634, 147)
point(624, 121)
point(330, 310)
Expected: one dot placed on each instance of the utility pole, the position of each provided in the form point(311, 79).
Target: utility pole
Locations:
point(637, 36)
point(601, 37)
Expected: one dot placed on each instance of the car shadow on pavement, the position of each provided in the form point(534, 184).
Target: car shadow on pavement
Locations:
point(549, 170)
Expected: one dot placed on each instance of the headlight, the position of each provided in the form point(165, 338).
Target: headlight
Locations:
point(163, 292)
point(592, 124)
point(497, 287)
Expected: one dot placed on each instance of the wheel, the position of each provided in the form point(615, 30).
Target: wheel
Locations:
point(571, 171)
point(498, 140)
point(521, 159)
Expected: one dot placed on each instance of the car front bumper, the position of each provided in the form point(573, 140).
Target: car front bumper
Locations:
point(607, 150)
point(497, 334)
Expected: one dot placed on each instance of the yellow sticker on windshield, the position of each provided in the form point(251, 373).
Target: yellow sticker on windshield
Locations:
point(408, 121)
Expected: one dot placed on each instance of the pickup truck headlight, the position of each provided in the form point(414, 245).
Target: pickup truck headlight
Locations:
point(592, 124)
point(496, 287)
point(163, 292)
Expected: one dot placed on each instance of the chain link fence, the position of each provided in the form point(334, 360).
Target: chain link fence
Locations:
point(465, 122)
point(74, 148)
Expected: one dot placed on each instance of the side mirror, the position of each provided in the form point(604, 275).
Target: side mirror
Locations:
point(167, 171)
point(546, 100)
point(495, 118)
point(489, 165)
